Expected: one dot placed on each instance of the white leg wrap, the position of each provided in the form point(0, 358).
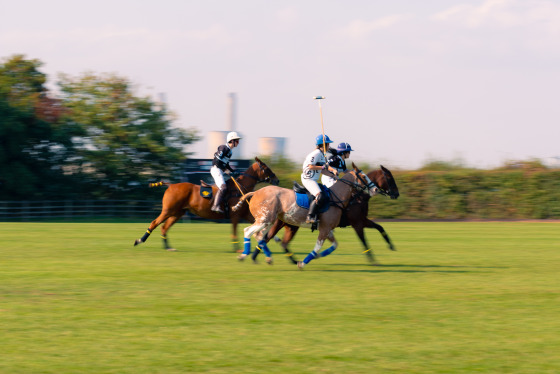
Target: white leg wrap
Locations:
point(318, 245)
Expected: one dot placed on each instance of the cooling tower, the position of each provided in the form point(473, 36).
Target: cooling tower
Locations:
point(272, 147)
point(217, 138)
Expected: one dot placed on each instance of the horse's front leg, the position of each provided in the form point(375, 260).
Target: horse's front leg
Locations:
point(331, 249)
point(359, 229)
point(323, 234)
point(372, 225)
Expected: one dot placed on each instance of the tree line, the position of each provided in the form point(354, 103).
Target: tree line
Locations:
point(94, 138)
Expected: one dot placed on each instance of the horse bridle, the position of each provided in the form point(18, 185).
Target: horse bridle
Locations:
point(381, 190)
point(360, 188)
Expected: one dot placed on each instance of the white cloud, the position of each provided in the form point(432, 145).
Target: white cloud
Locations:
point(505, 14)
point(360, 28)
point(517, 30)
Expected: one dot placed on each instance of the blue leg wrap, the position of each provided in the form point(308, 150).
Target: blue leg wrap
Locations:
point(246, 246)
point(264, 247)
point(310, 257)
point(327, 251)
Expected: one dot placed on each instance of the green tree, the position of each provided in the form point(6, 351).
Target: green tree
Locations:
point(126, 141)
point(31, 142)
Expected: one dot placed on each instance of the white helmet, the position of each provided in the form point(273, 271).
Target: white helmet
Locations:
point(232, 136)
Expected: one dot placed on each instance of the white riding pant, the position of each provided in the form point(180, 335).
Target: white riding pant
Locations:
point(312, 186)
point(328, 181)
point(218, 176)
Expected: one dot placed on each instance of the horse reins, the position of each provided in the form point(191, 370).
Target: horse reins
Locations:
point(262, 169)
point(366, 186)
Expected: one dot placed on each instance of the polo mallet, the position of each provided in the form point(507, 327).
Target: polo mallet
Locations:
point(319, 98)
point(237, 185)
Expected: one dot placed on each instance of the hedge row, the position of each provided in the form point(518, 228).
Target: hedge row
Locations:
point(472, 194)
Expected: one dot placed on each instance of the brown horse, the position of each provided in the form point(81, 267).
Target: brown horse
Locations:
point(182, 197)
point(355, 215)
point(271, 203)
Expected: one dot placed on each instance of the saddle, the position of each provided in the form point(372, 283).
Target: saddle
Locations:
point(205, 190)
point(207, 193)
point(304, 197)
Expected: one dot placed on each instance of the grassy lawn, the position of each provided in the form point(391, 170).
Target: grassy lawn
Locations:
point(455, 298)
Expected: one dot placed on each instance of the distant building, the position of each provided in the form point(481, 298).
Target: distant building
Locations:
point(273, 147)
point(552, 162)
point(217, 138)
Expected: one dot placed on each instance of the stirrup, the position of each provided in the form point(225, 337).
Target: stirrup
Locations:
point(311, 219)
point(314, 226)
point(217, 209)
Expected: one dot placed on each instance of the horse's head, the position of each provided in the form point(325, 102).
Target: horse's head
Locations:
point(264, 173)
point(385, 182)
point(362, 182)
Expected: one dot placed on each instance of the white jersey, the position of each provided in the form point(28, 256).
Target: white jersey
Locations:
point(314, 158)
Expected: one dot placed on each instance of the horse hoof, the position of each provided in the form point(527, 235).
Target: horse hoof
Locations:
point(241, 257)
point(300, 265)
point(269, 261)
point(137, 241)
point(171, 249)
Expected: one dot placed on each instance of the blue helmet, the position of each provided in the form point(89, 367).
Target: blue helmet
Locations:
point(343, 147)
point(319, 140)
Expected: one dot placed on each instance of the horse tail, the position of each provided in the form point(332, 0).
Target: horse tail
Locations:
point(157, 184)
point(242, 200)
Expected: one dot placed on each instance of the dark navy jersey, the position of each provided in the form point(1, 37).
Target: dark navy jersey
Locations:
point(221, 157)
point(335, 161)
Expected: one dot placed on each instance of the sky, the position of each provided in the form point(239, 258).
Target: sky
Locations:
point(406, 82)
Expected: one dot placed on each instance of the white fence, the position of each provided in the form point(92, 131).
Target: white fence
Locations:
point(79, 209)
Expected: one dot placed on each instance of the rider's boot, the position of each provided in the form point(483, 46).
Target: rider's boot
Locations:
point(218, 200)
point(312, 215)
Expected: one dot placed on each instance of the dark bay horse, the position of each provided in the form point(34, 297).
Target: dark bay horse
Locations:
point(271, 203)
point(354, 215)
point(182, 197)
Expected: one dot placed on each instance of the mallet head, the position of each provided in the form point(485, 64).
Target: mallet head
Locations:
point(319, 98)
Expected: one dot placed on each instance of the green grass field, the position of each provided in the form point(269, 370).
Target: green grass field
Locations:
point(455, 298)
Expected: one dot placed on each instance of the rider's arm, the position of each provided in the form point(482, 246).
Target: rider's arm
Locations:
point(325, 169)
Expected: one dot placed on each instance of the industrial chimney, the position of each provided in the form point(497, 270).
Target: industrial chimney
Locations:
point(231, 111)
point(216, 138)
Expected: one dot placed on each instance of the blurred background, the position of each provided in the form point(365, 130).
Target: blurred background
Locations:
point(457, 98)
